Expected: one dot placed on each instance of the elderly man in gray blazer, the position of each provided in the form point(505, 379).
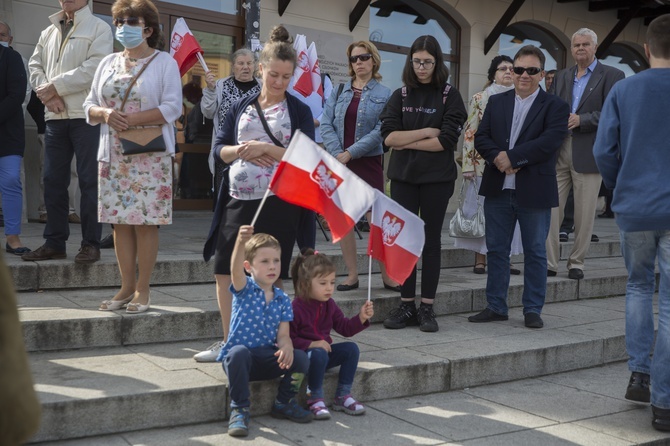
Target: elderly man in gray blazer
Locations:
point(584, 87)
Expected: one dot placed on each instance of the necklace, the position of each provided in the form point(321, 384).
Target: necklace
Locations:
point(359, 84)
point(142, 56)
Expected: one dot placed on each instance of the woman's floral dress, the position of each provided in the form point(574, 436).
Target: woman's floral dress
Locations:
point(133, 189)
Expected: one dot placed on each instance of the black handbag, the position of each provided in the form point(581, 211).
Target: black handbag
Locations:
point(141, 139)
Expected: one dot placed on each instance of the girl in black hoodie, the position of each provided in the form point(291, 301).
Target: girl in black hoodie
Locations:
point(421, 123)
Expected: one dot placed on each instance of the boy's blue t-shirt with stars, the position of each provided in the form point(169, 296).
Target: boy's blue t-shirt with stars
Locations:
point(252, 322)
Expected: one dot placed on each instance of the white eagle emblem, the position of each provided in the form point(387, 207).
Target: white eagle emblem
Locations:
point(177, 40)
point(327, 180)
point(391, 228)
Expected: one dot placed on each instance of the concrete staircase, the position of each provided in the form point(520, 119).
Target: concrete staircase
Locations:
point(103, 373)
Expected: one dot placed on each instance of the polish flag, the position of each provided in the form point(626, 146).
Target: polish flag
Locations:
point(310, 177)
point(396, 237)
point(184, 48)
point(315, 70)
point(302, 75)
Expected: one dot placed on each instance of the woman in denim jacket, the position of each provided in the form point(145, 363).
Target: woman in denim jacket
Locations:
point(350, 132)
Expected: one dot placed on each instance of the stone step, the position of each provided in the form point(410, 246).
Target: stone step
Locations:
point(188, 267)
point(89, 392)
point(581, 408)
point(68, 319)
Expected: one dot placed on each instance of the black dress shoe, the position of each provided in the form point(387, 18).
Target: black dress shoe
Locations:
point(576, 274)
point(660, 419)
point(551, 273)
point(594, 238)
point(347, 287)
point(488, 316)
point(392, 288)
point(562, 236)
point(107, 242)
point(533, 320)
point(514, 271)
point(638, 387)
point(606, 214)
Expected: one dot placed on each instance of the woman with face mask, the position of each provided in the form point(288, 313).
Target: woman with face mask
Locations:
point(135, 191)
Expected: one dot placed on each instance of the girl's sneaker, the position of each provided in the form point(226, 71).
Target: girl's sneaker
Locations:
point(348, 405)
point(319, 409)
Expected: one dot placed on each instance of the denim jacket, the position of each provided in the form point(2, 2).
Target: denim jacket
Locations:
point(368, 140)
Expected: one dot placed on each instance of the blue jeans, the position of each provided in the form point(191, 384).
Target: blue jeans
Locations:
point(12, 193)
point(243, 365)
point(639, 251)
point(344, 354)
point(63, 139)
point(502, 213)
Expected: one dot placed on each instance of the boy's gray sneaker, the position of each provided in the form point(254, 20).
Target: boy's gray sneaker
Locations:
point(238, 424)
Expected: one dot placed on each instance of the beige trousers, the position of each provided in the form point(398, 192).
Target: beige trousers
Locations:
point(585, 188)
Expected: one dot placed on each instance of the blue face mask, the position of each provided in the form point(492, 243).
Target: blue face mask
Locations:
point(5, 44)
point(130, 36)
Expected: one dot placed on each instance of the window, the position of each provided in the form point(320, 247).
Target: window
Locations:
point(226, 6)
point(625, 57)
point(389, 16)
point(521, 34)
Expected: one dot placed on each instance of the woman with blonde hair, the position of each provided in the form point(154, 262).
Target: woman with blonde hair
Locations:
point(350, 131)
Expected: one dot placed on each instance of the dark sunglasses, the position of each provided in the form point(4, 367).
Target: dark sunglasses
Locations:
point(362, 57)
point(130, 21)
point(532, 71)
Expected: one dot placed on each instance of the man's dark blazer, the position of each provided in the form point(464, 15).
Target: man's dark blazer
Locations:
point(534, 153)
point(591, 103)
point(12, 93)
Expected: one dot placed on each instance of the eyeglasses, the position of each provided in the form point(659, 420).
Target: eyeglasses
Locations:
point(532, 71)
point(427, 64)
point(506, 68)
point(363, 57)
point(130, 21)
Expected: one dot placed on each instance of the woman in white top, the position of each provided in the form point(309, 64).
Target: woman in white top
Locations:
point(135, 191)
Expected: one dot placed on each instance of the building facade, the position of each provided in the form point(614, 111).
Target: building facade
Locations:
point(471, 32)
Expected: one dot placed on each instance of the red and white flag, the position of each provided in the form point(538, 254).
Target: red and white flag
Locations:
point(302, 75)
point(396, 237)
point(314, 69)
point(310, 177)
point(184, 48)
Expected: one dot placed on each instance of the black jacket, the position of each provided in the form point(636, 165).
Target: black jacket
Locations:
point(423, 107)
point(12, 93)
point(534, 153)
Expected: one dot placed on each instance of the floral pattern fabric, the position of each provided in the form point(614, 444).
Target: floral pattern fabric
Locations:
point(132, 189)
point(249, 181)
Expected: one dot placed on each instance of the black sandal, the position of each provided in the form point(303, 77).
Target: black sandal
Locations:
point(479, 269)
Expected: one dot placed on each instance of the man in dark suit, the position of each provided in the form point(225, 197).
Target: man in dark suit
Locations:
point(584, 87)
point(519, 136)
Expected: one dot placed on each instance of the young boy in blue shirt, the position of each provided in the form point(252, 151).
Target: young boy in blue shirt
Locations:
point(259, 345)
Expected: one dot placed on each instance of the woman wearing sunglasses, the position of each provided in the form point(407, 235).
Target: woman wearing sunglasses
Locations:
point(135, 191)
point(350, 131)
point(421, 123)
point(499, 80)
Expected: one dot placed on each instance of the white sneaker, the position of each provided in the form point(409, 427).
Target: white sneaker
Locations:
point(210, 354)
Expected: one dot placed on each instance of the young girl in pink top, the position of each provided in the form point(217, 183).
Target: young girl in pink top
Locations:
point(315, 313)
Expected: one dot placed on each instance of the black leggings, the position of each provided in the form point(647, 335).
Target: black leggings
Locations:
point(428, 201)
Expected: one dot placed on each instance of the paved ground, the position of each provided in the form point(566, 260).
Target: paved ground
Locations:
point(585, 407)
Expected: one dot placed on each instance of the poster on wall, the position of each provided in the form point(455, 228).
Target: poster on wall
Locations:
point(331, 49)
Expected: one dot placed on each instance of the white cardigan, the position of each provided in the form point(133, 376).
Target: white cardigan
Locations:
point(159, 87)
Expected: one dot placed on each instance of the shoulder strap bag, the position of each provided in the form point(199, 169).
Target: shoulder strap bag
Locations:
point(261, 116)
point(141, 139)
point(462, 227)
